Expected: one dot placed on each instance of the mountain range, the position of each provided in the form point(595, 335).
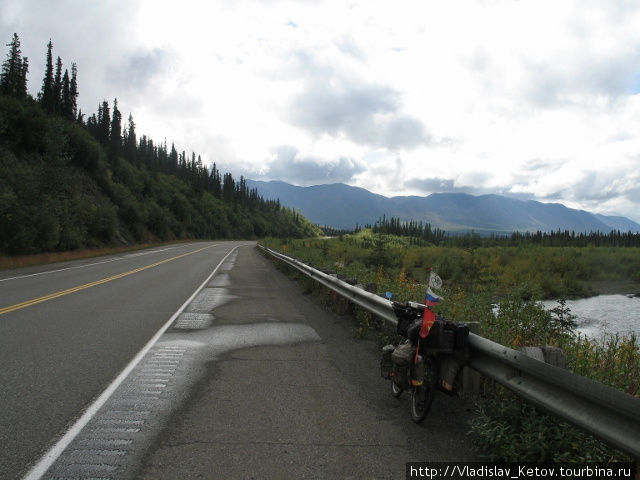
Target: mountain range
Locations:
point(343, 206)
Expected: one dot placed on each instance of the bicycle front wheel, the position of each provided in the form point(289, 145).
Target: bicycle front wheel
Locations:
point(422, 395)
point(396, 390)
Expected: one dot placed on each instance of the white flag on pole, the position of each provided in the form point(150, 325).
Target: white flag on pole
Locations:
point(434, 280)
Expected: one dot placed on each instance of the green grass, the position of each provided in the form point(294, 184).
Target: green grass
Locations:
point(553, 272)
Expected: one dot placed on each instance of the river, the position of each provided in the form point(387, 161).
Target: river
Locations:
point(604, 313)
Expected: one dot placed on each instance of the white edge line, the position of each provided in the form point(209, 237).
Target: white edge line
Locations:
point(45, 462)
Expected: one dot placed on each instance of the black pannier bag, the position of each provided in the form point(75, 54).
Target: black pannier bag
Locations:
point(406, 316)
point(444, 336)
point(462, 335)
point(441, 336)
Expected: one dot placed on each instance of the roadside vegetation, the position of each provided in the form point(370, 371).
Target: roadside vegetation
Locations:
point(499, 287)
point(548, 272)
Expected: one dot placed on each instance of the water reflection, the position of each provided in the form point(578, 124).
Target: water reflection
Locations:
point(604, 313)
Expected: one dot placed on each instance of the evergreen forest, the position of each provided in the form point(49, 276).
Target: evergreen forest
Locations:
point(421, 234)
point(68, 183)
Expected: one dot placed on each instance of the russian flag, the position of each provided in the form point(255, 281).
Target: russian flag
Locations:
point(429, 316)
point(432, 299)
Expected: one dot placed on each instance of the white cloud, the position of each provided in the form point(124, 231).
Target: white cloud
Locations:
point(538, 99)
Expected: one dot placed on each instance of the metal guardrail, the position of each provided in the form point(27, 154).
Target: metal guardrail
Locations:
point(600, 410)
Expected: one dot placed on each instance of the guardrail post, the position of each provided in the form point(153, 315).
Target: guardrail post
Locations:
point(554, 356)
point(470, 377)
point(547, 354)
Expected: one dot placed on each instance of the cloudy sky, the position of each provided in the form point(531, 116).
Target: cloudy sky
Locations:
point(533, 99)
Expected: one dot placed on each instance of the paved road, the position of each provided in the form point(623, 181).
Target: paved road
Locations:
point(59, 354)
point(252, 380)
point(295, 405)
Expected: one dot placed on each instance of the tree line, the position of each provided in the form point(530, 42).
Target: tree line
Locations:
point(416, 230)
point(122, 141)
point(67, 183)
point(59, 94)
point(422, 234)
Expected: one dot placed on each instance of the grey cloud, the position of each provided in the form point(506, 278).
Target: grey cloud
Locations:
point(533, 168)
point(328, 107)
point(334, 104)
point(634, 195)
point(601, 186)
point(304, 65)
point(431, 184)
point(593, 187)
point(555, 196)
point(479, 61)
point(367, 114)
point(137, 69)
point(536, 164)
point(349, 46)
point(614, 76)
point(596, 189)
point(401, 131)
point(447, 185)
point(555, 81)
point(290, 166)
point(545, 87)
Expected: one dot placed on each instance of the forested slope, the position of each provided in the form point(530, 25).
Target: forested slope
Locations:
point(67, 183)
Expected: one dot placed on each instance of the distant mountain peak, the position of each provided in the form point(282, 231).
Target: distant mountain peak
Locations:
point(344, 206)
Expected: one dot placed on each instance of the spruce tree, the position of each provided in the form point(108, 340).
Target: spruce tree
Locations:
point(22, 86)
point(57, 87)
point(103, 123)
point(73, 91)
point(182, 165)
point(46, 95)
point(13, 76)
point(131, 142)
point(173, 159)
point(65, 99)
point(215, 181)
point(228, 187)
point(115, 140)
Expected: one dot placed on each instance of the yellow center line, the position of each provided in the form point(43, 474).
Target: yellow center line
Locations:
point(62, 293)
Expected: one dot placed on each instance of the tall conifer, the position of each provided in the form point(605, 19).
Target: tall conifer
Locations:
point(131, 141)
point(46, 94)
point(103, 123)
point(22, 87)
point(57, 87)
point(115, 140)
point(13, 77)
point(73, 90)
point(65, 100)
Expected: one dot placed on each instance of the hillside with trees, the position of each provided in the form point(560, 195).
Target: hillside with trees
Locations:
point(69, 183)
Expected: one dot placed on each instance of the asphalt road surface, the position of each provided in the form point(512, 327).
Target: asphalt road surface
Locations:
point(251, 379)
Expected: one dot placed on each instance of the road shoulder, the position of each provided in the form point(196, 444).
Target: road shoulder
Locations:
point(304, 408)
